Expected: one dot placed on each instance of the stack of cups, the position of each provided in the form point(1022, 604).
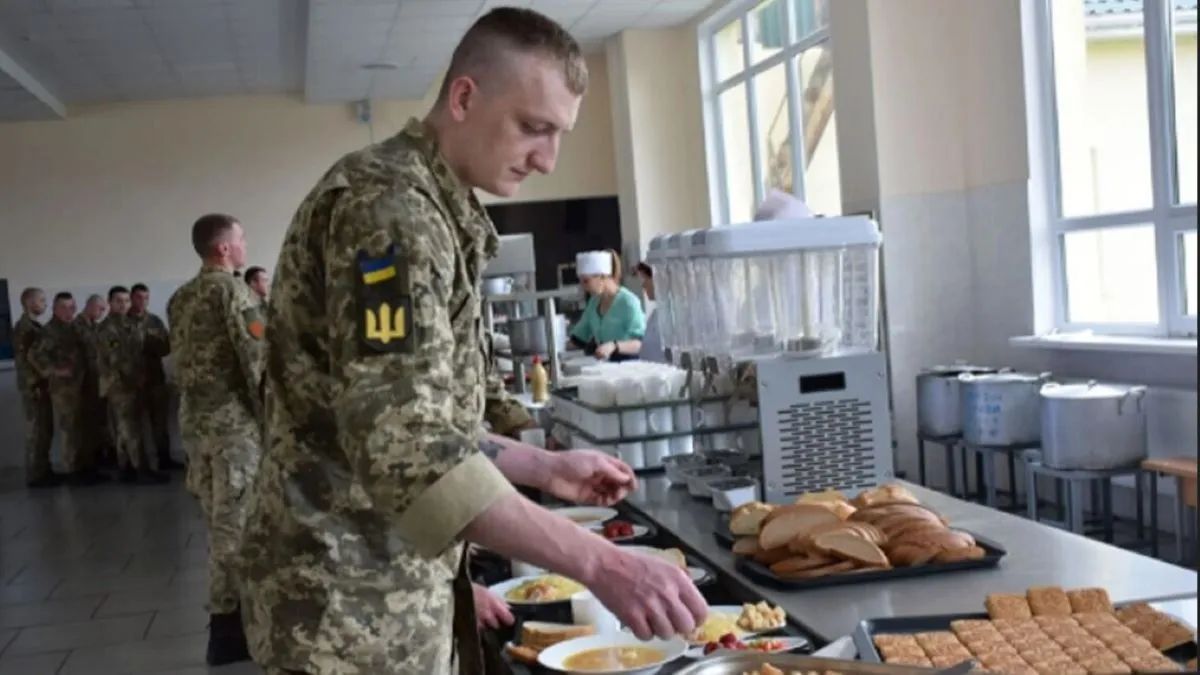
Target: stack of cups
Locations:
point(633, 422)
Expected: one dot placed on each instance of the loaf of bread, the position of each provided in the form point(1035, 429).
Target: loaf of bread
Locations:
point(884, 494)
point(787, 523)
point(747, 518)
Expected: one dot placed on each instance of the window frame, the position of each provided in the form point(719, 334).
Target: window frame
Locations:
point(712, 88)
point(1168, 217)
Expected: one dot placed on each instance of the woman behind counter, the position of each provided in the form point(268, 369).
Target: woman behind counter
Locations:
point(613, 323)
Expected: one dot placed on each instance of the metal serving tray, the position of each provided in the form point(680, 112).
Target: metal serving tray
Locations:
point(737, 664)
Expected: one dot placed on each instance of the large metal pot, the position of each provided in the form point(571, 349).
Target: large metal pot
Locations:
point(528, 335)
point(1092, 426)
point(939, 410)
point(1001, 408)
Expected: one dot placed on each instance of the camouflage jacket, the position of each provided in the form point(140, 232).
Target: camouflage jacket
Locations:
point(156, 340)
point(60, 347)
point(376, 388)
point(216, 336)
point(89, 334)
point(122, 355)
point(26, 334)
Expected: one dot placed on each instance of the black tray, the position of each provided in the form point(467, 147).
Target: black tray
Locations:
point(993, 553)
point(867, 629)
point(723, 536)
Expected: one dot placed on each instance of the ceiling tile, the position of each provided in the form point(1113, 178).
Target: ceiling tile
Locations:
point(423, 8)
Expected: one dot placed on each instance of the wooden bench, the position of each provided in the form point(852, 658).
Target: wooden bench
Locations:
point(1183, 470)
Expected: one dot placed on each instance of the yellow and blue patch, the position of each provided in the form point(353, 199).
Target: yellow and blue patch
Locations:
point(384, 304)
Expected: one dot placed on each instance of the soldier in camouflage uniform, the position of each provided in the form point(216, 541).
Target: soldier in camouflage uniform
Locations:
point(94, 417)
point(260, 283)
point(62, 358)
point(122, 382)
point(217, 331)
point(157, 342)
point(35, 392)
point(376, 371)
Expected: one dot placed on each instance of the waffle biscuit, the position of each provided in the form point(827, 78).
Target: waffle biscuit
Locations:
point(1089, 600)
point(890, 652)
point(1007, 606)
point(948, 660)
point(946, 649)
point(936, 638)
point(921, 661)
point(895, 638)
point(1048, 600)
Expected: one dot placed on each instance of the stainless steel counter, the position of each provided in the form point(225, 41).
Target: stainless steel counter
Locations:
point(1037, 555)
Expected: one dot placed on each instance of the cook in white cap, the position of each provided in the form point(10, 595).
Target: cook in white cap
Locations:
point(613, 322)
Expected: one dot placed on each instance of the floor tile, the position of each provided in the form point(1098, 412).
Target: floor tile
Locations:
point(34, 664)
point(175, 622)
point(93, 633)
point(77, 587)
point(37, 591)
point(147, 656)
point(149, 600)
point(67, 610)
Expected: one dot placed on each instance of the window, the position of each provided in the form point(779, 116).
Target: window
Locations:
point(1120, 90)
point(769, 110)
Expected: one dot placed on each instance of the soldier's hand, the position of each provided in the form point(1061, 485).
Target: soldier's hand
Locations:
point(589, 477)
point(650, 596)
point(490, 611)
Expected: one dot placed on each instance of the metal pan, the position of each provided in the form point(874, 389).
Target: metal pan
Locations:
point(737, 664)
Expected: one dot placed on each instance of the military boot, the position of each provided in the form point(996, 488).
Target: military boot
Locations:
point(226, 639)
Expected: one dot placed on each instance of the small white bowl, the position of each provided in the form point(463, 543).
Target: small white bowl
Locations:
point(730, 493)
point(555, 657)
point(698, 478)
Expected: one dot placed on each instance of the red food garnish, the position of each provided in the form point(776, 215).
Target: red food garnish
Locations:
point(615, 529)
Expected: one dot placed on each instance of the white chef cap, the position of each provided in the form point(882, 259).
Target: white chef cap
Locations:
point(594, 263)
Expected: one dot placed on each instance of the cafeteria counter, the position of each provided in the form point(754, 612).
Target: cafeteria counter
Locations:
point(1038, 555)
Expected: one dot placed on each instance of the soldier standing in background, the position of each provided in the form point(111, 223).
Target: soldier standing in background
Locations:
point(157, 343)
point(260, 282)
point(217, 330)
point(123, 382)
point(94, 416)
point(35, 393)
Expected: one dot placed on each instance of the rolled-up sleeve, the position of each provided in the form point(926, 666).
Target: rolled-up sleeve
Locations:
point(395, 407)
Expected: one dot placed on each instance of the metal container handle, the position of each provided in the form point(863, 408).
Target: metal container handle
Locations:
point(1138, 393)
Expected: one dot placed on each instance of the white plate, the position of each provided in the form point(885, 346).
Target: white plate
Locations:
point(591, 517)
point(638, 531)
point(555, 657)
point(697, 574)
point(789, 644)
point(501, 590)
point(735, 611)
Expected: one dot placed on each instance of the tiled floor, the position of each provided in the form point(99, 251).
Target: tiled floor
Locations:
point(102, 581)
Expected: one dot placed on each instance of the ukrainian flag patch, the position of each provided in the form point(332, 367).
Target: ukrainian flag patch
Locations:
point(384, 307)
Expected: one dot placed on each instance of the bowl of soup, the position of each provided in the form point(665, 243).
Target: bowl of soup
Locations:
point(613, 654)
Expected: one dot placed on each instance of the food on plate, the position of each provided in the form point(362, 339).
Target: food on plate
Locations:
point(761, 616)
point(883, 494)
point(617, 529)
point(1048, 601)
point(537, 636)
point(746, 519)
point(824, 570)
point(604, 659)
point(716, 625)
point(789, 522)
point(1007, 606)
point(769, 557)
point(851, 545)
point(731, 642)
point(801, 563)
point(549, 588)
point(670, 555)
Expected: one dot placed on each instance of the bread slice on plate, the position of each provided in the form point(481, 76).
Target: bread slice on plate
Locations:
point(884, 493)
point(834, 568)
point(851, 546)
point(910, 555)
point(801, 563)
point(771, 556)
point(789, 522)
point(747, 518)
point(747, 546)
point(960, 554)
point(539, 635)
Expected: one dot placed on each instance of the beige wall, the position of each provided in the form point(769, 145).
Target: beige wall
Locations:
point(656, 99)
point(113, 189)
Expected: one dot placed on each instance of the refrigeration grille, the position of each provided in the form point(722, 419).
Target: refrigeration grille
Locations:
point(826, 444)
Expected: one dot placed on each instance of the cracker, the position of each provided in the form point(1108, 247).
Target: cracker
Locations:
point(894, 639)
point(948, 660)
point(911, 661)
point(1089, 600)
point(898, 651)
point(1048, 600)
point(936, 638)
point(1007, 606)
point(947, 649)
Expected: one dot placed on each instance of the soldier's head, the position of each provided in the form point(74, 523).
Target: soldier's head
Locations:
point(118, 300)
point(219, 240)
point(64, 306)
point(33, 301)
point(512, 90)
point(259, 281)
point(95, 307)
point(139, 299)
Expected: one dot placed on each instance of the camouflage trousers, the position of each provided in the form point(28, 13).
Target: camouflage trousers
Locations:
point(94, 421)
point(127, 409)
point(158, 403)
point(220, 472)
point(39, 433)
point(67, 398)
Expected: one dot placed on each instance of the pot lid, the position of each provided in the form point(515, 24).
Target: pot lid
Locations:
point(1002, 378)
point(1090, 390)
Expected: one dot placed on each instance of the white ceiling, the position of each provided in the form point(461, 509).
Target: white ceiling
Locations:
point(54, 53)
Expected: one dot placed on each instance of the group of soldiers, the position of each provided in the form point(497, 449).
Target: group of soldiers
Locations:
point(95, 377)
